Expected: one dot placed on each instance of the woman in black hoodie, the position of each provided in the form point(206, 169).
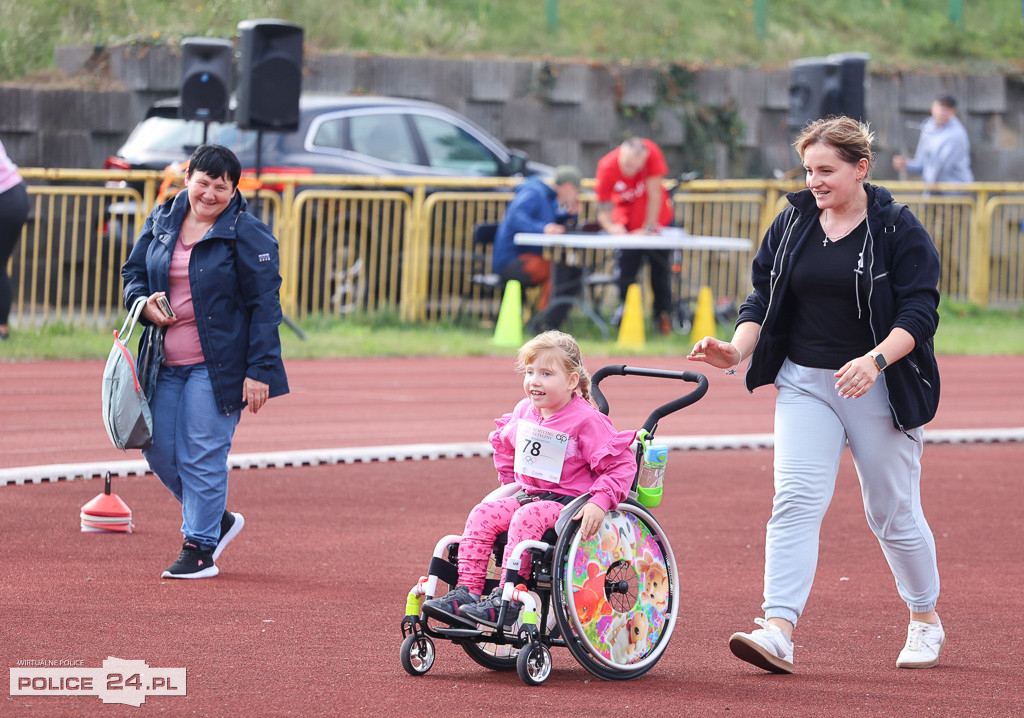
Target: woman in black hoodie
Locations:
point(841, 321)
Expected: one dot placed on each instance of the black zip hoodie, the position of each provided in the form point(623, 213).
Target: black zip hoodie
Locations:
point(899, 274)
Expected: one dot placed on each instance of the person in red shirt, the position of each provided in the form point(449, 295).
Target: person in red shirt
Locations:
point(632, 199)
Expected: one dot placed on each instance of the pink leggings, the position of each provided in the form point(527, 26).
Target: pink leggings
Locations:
point(489, 519)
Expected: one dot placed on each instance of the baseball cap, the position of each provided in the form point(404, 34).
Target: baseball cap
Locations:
point(567, 173)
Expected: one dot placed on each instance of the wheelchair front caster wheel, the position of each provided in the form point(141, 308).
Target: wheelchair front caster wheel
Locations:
point(534, 663)
point(417, 654)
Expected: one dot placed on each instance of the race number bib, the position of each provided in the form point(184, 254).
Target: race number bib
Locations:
point(540, 452)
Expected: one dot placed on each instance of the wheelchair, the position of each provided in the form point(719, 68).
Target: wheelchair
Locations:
point(612, 599)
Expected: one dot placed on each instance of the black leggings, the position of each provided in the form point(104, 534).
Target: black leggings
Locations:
point(13, 213)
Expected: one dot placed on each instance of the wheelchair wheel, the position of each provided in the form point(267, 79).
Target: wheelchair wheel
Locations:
point(534, 664)
point(614, 595)
point(497, 657)
point(417, 654)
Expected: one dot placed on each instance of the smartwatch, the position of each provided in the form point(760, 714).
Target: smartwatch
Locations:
point(879, 360)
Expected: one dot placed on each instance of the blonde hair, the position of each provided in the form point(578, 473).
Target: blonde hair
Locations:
point(849, 138)
point(569, 356)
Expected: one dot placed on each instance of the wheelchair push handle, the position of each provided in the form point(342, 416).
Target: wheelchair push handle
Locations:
point(693, 396)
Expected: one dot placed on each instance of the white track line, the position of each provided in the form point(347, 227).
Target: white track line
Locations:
point(416, 452)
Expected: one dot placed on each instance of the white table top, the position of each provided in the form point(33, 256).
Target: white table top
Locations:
point(668, 238)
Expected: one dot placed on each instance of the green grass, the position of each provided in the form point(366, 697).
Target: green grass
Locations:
point(964, 329)
point(898, 34)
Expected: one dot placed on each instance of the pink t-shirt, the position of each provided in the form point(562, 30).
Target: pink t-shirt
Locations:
point(598, 458)
point(8, 171)
point(629, 194)
point(181, 343)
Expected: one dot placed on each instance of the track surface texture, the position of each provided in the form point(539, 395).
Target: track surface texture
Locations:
point(304, 618)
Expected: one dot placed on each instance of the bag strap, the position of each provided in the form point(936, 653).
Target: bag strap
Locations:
point(891, 216)
point(131, 320)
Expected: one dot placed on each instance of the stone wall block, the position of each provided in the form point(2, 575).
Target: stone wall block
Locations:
point(639, 86)
point(713, 85)
point(567, 82)
point(19, 109)
point(668, 126)
point(524, 120)
point(562, 121)
point(489, 115)
point(22, 148)
point(396, 76)
point(749, 90)
point(776, 89)
point(492, 81)
point(106, 111)
point(67, 148)
point(917, 91)
point(597, 121)
point(561, 152)
point(985, 94)
point(329, 73)
point(451, 83)
point(66, 109)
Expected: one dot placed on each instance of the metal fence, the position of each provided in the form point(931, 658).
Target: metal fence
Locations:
point(353, 245)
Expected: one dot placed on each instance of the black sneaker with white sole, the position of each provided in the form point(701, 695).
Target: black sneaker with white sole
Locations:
point(230, 526)
point(193, 562)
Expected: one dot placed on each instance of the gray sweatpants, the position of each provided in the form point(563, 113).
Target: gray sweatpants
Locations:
point(813, 424)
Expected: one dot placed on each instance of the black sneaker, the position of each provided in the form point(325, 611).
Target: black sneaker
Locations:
point(486, 611)
point(446, 608)
point(230, 525)
point(193, 562)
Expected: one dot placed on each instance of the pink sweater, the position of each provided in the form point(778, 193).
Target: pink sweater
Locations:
point(8, 171)
point(598, 458)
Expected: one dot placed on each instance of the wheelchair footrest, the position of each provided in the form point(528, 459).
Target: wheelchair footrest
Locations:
point(454, 621)
point(459, 632)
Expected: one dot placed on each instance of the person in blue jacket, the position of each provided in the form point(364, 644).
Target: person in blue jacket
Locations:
point(539, 208)
point(841, 320)
point(214, 268)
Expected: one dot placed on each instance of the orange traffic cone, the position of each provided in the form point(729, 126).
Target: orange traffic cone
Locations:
point(106, 513)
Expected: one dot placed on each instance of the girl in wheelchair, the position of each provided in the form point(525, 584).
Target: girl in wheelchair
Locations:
point(557, 445)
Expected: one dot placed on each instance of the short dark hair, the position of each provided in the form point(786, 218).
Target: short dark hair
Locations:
point(216, 161)
point(947, 100)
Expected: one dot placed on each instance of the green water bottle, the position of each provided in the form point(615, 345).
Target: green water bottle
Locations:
point(652, 475)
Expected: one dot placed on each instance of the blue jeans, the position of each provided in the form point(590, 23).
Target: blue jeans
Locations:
point(191, 440)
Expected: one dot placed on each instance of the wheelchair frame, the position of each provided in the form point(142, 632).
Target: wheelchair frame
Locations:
point(614, 610)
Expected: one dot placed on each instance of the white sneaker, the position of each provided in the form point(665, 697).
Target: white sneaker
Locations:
point(766, 647)
point(924, 643)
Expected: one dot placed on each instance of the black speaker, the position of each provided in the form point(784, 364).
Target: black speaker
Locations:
point(824, 86)
point(269, 75)
point(205, 79)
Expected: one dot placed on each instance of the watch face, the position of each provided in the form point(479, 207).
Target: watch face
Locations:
point(880, 362)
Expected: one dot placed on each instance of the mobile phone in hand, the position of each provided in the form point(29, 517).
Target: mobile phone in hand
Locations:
point(165, 306)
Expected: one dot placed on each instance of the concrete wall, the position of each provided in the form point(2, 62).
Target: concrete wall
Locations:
point(557, 112)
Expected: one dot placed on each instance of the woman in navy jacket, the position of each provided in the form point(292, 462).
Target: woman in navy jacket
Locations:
point(216, 351)
point(844, 289)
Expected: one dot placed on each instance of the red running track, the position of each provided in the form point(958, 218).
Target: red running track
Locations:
point(51, 410)
point(304, 618)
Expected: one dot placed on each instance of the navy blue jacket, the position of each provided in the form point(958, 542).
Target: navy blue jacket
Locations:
point(235, 280)
point(899, 275)
point(533, 207)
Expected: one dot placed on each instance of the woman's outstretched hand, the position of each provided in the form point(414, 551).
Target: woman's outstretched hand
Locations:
point(724, 355)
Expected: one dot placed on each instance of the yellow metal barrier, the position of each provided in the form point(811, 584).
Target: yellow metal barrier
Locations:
point(352, 244)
